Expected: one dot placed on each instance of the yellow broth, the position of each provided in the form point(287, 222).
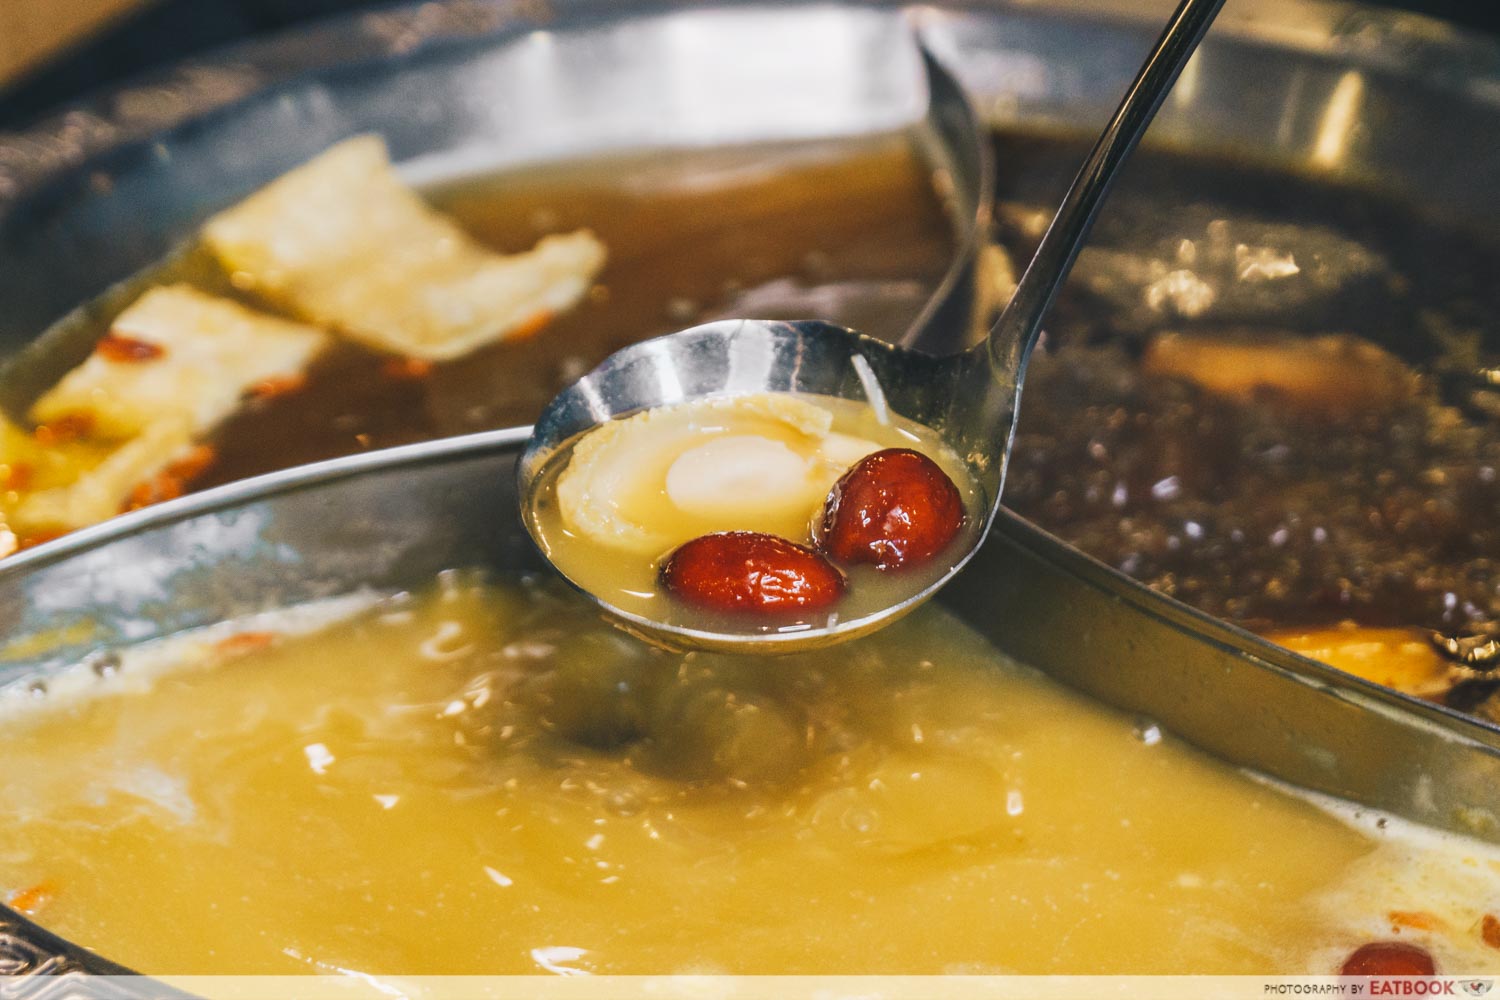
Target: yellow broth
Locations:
point(486, 778)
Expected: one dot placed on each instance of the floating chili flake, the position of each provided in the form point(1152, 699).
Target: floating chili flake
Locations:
point(158, 489)
point(121, 349)
point(406, 369)
point(1415, 919)
point(194, 463)
point(532, 325)
point(278, 385)
point(33, 539)
point(244, 642)
point(16, 475)
point(68, 427)
point(171, 482)
point(30, 900)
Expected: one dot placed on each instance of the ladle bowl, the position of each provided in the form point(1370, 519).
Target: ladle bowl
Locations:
point(969, 398)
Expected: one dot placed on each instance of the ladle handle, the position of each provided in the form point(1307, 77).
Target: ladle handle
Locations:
point(1015, 332)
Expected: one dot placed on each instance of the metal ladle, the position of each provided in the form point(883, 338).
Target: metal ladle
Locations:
point(969, 398)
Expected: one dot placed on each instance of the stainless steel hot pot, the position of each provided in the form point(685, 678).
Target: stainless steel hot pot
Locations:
point(1395, 103)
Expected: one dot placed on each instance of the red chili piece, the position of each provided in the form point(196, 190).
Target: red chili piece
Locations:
point(406, 369)
point(1389, 958)
point(894, 508)
point(171, 482)
point(120, 348)
point(68, 427)
point(751, 572)
point(278, 385)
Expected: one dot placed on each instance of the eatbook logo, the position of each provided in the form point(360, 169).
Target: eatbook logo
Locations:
point(1476, 987)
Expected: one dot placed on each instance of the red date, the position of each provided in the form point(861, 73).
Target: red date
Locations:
point(751, 572)
point(894, 508)
point(1389, 958)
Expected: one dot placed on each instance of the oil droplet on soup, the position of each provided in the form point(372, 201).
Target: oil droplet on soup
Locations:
point(724, 514)
point(488, 779)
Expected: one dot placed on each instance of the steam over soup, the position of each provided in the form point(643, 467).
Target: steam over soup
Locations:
point(486, 778)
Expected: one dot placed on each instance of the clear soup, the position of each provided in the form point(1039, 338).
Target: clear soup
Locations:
point(639, 494)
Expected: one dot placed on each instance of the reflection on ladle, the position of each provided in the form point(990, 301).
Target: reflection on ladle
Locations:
point(967, 400)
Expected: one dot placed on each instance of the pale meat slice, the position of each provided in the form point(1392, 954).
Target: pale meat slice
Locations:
point(189, 357)
point(102, 491)
point(343, 242)
point(26, 465)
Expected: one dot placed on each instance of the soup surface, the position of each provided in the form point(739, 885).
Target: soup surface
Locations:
point(850, 231)
point(486, 778)
point(1273, 398)
point(1267, 396)
point(615, 504)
